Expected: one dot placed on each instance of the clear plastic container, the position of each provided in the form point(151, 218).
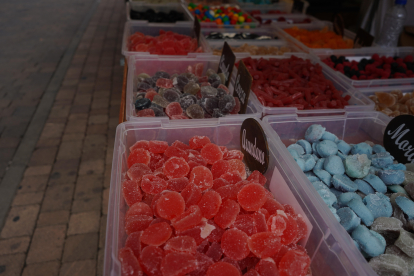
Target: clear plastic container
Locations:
point(153, 29)
point(138, 65)
point(319, 25)
point(290, 19)
point(367, 52)
point(353, 127)
point(268, 32)
point(264, 8)
point(143, 6)
point(358, 101)
point(325, 250)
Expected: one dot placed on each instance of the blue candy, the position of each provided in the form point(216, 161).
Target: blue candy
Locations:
point(374, 170)
point(378, 149)
point(357, 165)
point(300, 162)
point(349, 220)
point(345, 198)
point(336, 192)
point(342, 156)
point(326, 148)
point(314, 133)
point(329, 136)
point(391, 177)
point(398, 166)
point(343, 183)
point(311, 176)
point(315, 157)
point(406, 205)
point(319, 164)
point(319, 185)
point(397, 189)
point(362, 148)
point(294, 153)
point(328, 197)
point(369, 242)
point(314, 150)
point(309, 162)
point(379, 205)
point(298, 148)
point(324, 176)
point(362, 211)
point(306, 145)
point(382, 160)
point(333, 165)
point(343, 147)
point(333, 210)
point(376, 183)
point(364, 187)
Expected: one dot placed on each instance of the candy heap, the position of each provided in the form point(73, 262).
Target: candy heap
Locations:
point(240, 35)
point(193, 210)
point(151, 16)
point(222, 15)
point(184, 96)
point(320, 38)
point(167, 43)
point(374, 68)
point(367, 192)
point(394, 103)
point(257, 50)
point(282, 19)
point(293, 82)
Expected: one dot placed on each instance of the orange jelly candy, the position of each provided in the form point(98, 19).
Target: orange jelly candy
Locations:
point(294, 262)
point(183, 244)
point(234, 244)
point(157, 146)
point(139, 155)
point(152, 184)
point(211, 153)
point(170, 205)
point(202, 177)
point(198, 142)
point(210, 204)
point(176, 167)
point(156, 234)
point(178, 263)
point(151, 258)
point(265, 244)
point(227, 214)
point(219, 168)
point(252, 197)
point(222, 269)
point(237, 165)
point(137, 171)
point(189, 219)
point(131, 192)
point(129, 263)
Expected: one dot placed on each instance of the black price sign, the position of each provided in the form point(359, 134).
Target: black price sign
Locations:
point(338, 25)
point(399, 138)
point(197, 29)
point(242, 86)
point(363, 39)
point(254, 145)
point(226, 63)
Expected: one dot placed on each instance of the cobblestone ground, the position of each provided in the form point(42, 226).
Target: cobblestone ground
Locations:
point(57, 219)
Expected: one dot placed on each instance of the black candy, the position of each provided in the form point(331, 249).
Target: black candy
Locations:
point(141, 104)
point(151, 16)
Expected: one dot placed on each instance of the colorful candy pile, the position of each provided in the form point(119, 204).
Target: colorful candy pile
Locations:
point(222, 15)
point(320, 38)
point(193, 210)
point(151, 16)
point(240, 35)
point(167, 43)
point(257, 50)
point(185, 96)
point(394, 103)
point(293, 82)
point(369, 194)
point(374, 68)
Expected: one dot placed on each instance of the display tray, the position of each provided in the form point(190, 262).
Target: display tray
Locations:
point(166, 8)
point(286, 20)
point(324, 246)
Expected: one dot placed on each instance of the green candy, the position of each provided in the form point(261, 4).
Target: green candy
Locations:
point(357, 165)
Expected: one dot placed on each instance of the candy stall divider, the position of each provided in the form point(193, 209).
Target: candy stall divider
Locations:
point(353, 127)
point(165, 7)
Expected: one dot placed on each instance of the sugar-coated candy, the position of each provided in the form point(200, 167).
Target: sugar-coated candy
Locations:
point(375, 183)
point(362, 211)
point(391, 177)
point(129, 263)
point(406, 205)
point(215, 251)
point(319, 164)
point(362, 148)
point(209, 104)
point(131, 192)
point(226, 104)
point(314, 133)
point(156, 234)
point(195, 111)
point(324, 176)
point(227, 213)
point(222, 269)
point(178, 263)
point(320, 38)
point(189, 219)
point(252, 197)
point(141, 104)
point(382, 159)
point(170, 205)
point(343, 147)
point(235, 244)
point(327, 196)
point(405, 242)
point(208, 91)
point(343, 183)
point(388, 264)
point(183, 244)
point(297, 148)
point(305, 145)
point(357, 165)
point(333, 164)
point(369, 243)
point(176, 167)
point(152, 184)
point(326, 148)
point(150, 260)
point(236, 165)
point(201, 177)
point(345, 198)
point(378, 204)
point(210, 204)
point(309, 162)
point(211, 153)
point(157, 146)
point(349, 220)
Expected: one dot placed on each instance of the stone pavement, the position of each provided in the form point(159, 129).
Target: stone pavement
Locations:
point(57, 219)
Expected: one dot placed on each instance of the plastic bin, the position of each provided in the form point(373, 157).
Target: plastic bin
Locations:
point(153, 29)
point(313, 26)
point(326, 251)
point(143, 6)
point(138, 65)
point(358, 101)
point(353, 127)
point(291, 19)
point(270, 32)
point(367, 52)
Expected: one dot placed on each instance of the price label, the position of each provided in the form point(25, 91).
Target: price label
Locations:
point(242, 86)
point(226, 63)
point(399, 138)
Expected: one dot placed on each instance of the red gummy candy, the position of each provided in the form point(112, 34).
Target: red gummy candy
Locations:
point(198, 142)
point(231, 191)
point(176, 167)
point(198, 71)
point(146, 112)
point(277, 224)
point(234, 244)
point(219, 168)
point(157, 161)
point(131, 192)
point(216, 234)
point(265, 244)
point(143, 144)
point(211, 153)
point(177, 264)
point(237, 107)
point(260, 222)
point(246, 224)
point(210, 204)
point(257, 177)
point(203, 263)
point(184, 244)
point(157, 146)
point(294, 262)
point(232, 177)
point(173, 109)
point(291, 231)
point(252, 272)
point(252, 197)
point(233, 154)
point(129, 263)
point(152, 184)
point(201, 177)
point(138, 156)
point(177, 152)
point(137, 223)
point(302, 229)
point(219, 182)
point(189, 219)
point(289, 210)
point(138, 209)
point(177, 184)
point(151, 259)
point(164, 83)
point(191, 194)
point(156, 234)
point(271, 205)
point(150, 94)
point(222, 269)
point(170, 205)
point(268, 267)
point(180, 145)
point(179, 117)
point(214, 251)
point(194, 232)
point(232, 262)
point(237, 165)
point(133, 241)
point(227, 214)
point(137, 171)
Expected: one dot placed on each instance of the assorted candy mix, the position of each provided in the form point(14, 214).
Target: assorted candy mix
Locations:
point(320, 38)
point(221, 15)
point(162, 17)
point(374, 68)
point(282, 19)
point(186, 96)
point(257, 50)
point(394, 103)
point(167, 43)
point(194, 209)
point(239, 35)
point(368, 193)
point(293, 82)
